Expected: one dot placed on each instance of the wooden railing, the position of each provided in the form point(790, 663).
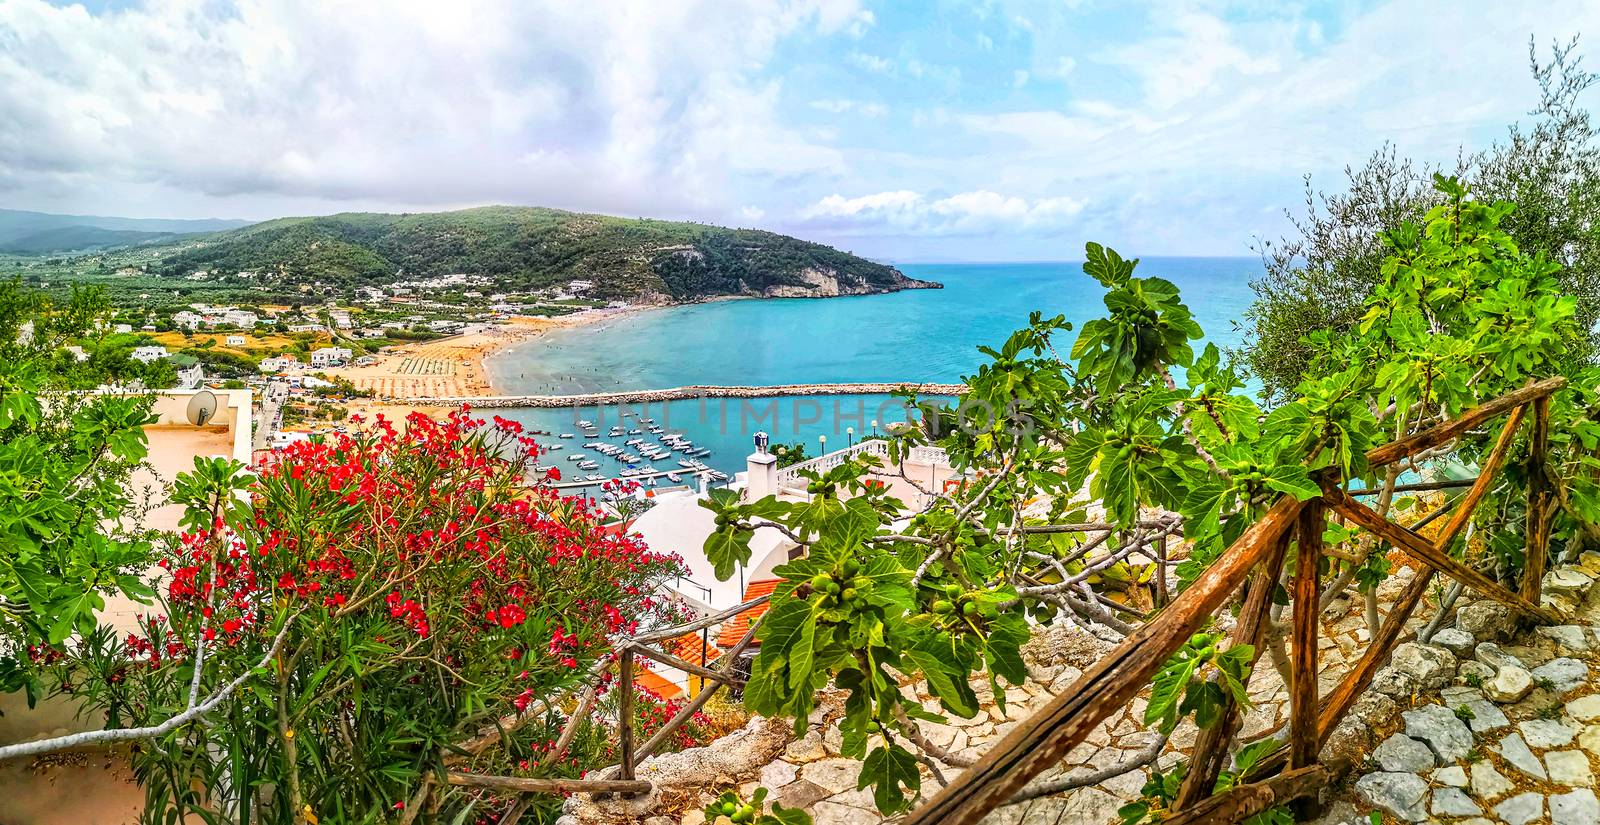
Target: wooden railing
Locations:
point(1290, 774)
point(1294, 772)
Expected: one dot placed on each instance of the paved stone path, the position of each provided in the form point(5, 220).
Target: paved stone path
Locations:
point(1502, 731)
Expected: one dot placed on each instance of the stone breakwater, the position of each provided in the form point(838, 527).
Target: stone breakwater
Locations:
point(680, 393)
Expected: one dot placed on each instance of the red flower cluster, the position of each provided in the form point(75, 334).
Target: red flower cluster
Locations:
point(433, 554)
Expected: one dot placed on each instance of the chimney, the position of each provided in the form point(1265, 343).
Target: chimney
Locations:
point(761, 477)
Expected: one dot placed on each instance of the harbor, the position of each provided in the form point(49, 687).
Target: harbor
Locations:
point(681, 393)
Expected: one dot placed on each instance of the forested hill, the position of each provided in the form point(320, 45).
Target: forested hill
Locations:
point(525, 247)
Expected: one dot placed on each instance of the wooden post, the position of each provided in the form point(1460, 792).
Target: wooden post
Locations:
point(1376, 654)
point(1211, 744)
point(525, 784)
point(1303, 739)
point(1245, 801)
point(625, 711)
point(1537, 529)
point(1439, 434)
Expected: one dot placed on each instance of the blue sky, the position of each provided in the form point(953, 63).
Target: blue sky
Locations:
point(1003, 130)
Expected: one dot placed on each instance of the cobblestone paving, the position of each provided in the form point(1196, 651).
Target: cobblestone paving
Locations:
point(1513, 736)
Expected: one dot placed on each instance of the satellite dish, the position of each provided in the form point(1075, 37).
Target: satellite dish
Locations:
point(202, 407)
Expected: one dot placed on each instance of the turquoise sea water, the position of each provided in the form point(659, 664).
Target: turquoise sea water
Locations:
point(917, 335)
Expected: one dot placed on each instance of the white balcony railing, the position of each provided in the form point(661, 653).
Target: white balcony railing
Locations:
point(789, 477)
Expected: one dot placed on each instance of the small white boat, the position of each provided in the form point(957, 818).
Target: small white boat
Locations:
point(682, 462)
point(567, 435)
point(635, 432)
point(555, 446)
point(594, 477)
point(717, 475)
point(674, 478)
point(585, 425)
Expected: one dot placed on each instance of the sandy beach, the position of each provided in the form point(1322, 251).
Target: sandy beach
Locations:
point(454, 366)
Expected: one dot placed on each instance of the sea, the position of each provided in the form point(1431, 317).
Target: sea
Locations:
point(925, 335)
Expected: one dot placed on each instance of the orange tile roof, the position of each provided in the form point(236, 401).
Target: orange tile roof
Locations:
point(734, 629)
point(657, 684)
point(689, 647)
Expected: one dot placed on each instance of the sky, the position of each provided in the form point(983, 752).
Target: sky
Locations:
point(908, 131)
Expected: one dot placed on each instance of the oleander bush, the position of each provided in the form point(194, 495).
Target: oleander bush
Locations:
point(386, 598)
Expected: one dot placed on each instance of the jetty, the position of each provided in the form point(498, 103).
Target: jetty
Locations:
point(680, 393)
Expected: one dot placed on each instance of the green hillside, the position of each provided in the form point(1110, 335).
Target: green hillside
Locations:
point(525, 248)
point(79, 238)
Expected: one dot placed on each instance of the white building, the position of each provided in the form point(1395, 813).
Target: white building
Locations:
point(306, 328)
point(340, 319)
point(147, 354)
point(191, 378)
point(239, 318)
point(279, 363)
point(187, 319)
point(235, 340)
point(330, 356)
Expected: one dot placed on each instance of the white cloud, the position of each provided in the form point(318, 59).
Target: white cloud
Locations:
point(870, 62)
point(1198, 53)
point(965, 212)
point(652, 108)
point(842, 105)
point(752, 213)
point(1019, 78)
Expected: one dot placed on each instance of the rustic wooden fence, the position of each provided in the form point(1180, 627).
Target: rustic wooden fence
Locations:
point(1254, 562)
point(1294, 772)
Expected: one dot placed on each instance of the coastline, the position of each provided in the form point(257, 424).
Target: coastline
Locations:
point(404, 377)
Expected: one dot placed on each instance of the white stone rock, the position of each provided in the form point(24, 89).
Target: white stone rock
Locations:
point(1490, 654)
point(1438, 726)
point(1396, 682)
point(1472, 670)
point(807, 748)
point(1567, 581)
point(1569, 637)
point(776, 774)
point(1548, 733)
point(1585, 708)
point(835, 775)
point(1455, 640)
point(1484, 620)
point(1090, 805)
point(1576, 808)
point(1403, 795)
point(1521, 809)
point(1509, 684)
point(1454, 802)
point(1433, 667)
point(1453, 775)
point(1489, 784)
point(1402, 753)
point(1570, 768)
point(1566, 674)
point(1516, 753)
point(1589, 740)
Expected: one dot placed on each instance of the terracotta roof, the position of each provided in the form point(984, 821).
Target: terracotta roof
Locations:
point(688, 647)
point(734, 629)
point(657, 684)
